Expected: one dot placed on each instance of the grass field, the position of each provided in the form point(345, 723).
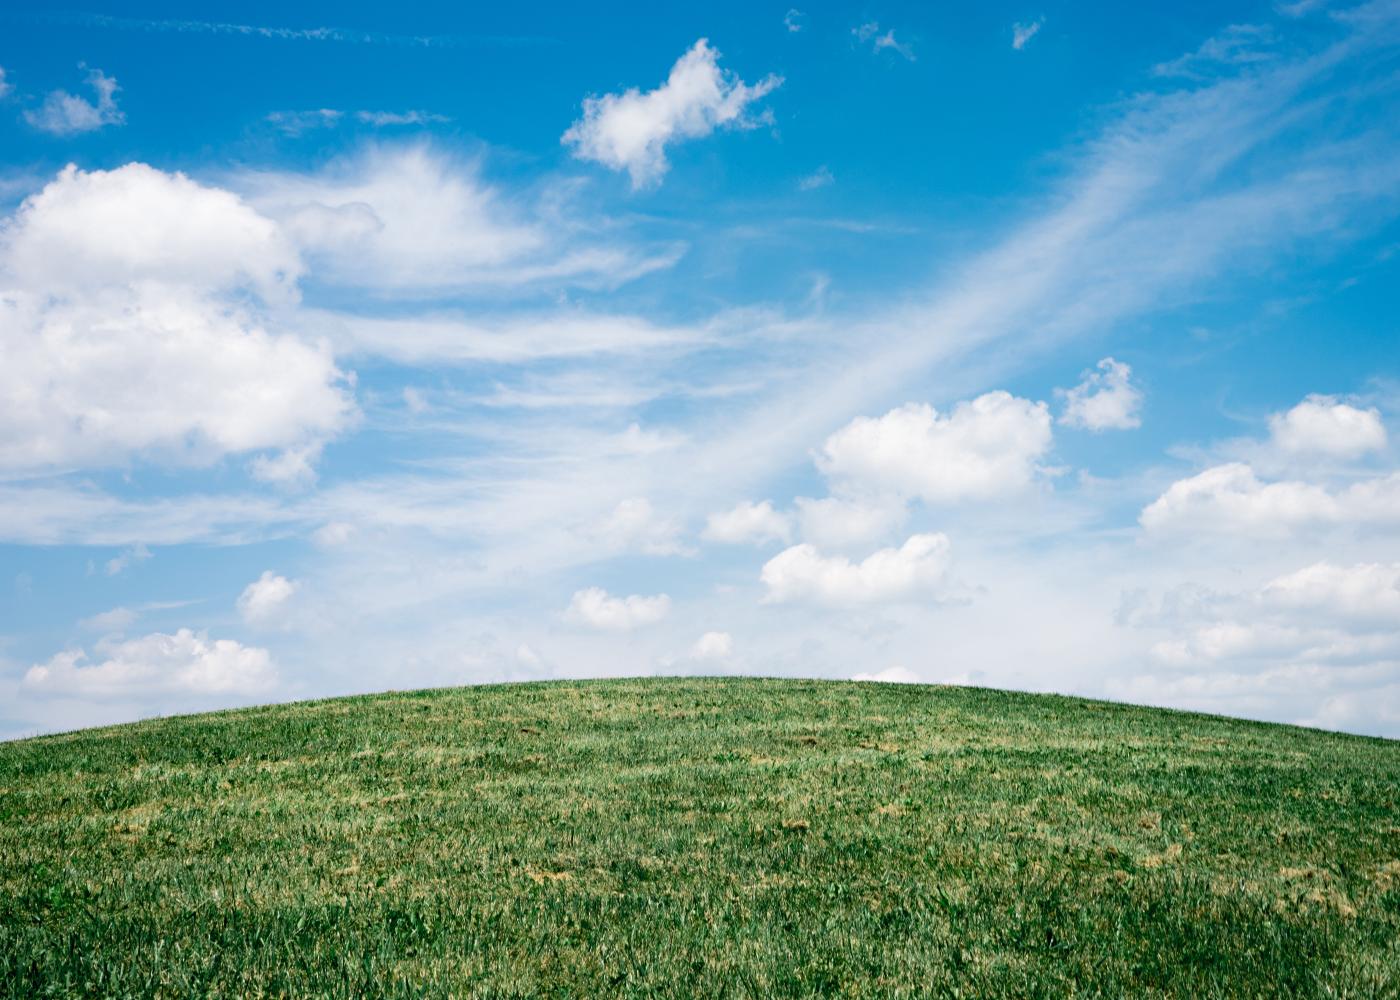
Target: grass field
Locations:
point(720, 837)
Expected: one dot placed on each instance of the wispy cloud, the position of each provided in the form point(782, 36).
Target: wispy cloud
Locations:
point(299, 122)
point(350, 36)
point(63, 113)
point(1023, 31)
point(879, 41)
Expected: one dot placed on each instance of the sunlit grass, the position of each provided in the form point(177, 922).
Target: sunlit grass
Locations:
point(700, 838)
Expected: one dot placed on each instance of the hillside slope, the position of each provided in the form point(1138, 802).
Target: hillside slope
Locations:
point(700, 837)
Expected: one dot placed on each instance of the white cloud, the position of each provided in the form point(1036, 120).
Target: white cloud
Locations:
point(296, 123)
point(118, 564)
point(113, 620)
point(5, 86)
point(136, 225)
point(793, 19)
point(291, 466)
point(1235, 45)
point(1104, 400)
point(186, 663)
point(819, 178)
point(1231, 498)
point(596, 608)
point(713, 646)
point(1320, 425)
point(413, 221)
point(334, 534)
point(748, 522)
point(870, 32)
point(1360, 595)
point(630, 131)
point(63, 113)
point(839, 523)
point(635, 526)
point(802, 573)
point(265, 599)
point(890, 675)
point(987, 447)
point(1023, 31)
point(130, 330)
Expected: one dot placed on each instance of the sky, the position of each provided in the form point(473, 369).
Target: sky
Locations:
point(349, 348)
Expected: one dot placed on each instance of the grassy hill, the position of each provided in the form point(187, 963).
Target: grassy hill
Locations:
point(719, 837)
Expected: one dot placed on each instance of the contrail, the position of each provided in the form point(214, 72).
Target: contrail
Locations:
point(328, 34)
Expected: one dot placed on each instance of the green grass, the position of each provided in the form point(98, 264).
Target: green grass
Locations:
point(711, 837)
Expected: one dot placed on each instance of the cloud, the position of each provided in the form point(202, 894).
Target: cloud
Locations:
point(890, 675)
point(840, 523)
point(1235, 45)
point(1320, 425)
point(634, 526)
point(802, 573)
point(1023, 31)
point(6, 88)
point(113, 620)
point(820, 178)
point(748, 523)
point(295, 123)
point(793, 20)
point(1231, 498)
point(630, 131)
point(186, 663)
point(265, 599)
point(987, 447)
point(1104, 400)
point(133, 303)
point(713, 646)
point(595, 608)
point(134, 225)
point(870, 32)
point(1323, 617)
point(118, 564)
point(63, 113)
point(411, 221)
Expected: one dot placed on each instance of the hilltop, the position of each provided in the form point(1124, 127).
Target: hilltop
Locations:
point(700, 837)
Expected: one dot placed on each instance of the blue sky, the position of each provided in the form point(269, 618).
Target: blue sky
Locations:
point(344, 349)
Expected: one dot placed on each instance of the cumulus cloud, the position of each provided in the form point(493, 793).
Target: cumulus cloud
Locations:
point(1324, 615)
point(890, 675)
point(1232, 498)
point(186, 663)
point(631, 131)
point(1104, 400)
point(136, 225)
point(265, 599)
point(748, 522)
point(596, 608)
point(793, 20)
point(63, 113)
point(1320, 425)
point(635, 526)
point(1320, 645)
point(713, 646)
point(5, 86)
point(870, 32)
point(132, 301)
point(839, 523)
point(984, 448)
point(1023, 31)
point(802, 573)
